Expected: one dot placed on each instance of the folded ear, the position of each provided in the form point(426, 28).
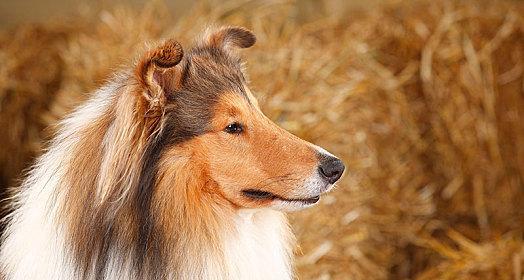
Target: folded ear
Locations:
point(231, 37)
point(157, 72)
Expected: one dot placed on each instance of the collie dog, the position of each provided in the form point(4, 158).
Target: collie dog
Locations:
point(170, 171)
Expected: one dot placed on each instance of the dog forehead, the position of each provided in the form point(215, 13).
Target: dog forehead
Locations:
point(213, 69)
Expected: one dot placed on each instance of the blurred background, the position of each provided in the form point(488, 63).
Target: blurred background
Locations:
point(423, 100)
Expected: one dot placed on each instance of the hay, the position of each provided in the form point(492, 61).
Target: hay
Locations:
point(423, 100)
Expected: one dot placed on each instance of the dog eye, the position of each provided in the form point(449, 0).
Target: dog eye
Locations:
point(234, 128)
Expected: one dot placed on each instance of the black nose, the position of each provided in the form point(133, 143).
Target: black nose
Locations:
point(331, 168)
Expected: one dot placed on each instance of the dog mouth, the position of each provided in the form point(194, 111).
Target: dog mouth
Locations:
point(264, 195)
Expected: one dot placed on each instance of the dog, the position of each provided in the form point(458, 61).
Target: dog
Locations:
point(169, 171)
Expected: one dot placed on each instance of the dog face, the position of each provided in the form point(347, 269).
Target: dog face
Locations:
point(255, 163)
point(213, 123)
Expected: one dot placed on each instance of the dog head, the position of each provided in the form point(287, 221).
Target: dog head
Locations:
point(212, 127)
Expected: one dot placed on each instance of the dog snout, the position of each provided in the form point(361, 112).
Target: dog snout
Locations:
point(331, 168)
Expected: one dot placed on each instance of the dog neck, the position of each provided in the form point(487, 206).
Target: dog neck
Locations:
point(222, 241)
point(261, 246)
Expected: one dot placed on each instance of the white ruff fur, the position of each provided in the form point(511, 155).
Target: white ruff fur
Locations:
point(262, 248)
point(34, 244)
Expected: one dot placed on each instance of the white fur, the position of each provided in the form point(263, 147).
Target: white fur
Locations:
point(33, 244)
point(322, 150)
point(261, 248)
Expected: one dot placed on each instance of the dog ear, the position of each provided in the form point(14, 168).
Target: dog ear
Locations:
point(157, 72)
point(231, 37)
